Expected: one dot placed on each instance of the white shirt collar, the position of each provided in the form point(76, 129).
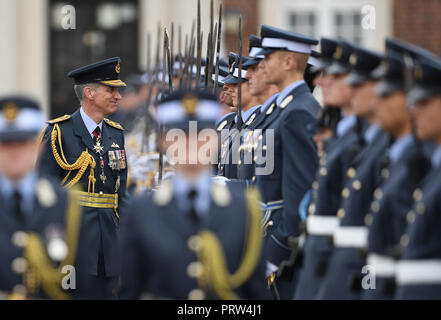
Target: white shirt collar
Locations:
point(436, 157)
point(26, 187)
point(202, 185)
point(346, 124)
point(288, 90)
point(372, 132)
point(399, 146)
point(90, 124)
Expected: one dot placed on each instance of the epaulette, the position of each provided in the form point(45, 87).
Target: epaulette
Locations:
point(114, 124)
point(60, 119)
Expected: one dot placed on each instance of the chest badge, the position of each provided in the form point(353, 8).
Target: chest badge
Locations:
point(115, 146)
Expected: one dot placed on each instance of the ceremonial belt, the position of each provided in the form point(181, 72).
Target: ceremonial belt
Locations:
point(350, 237)
point(97, 200)
point(269, 207)
point(384, 266)
point(418, 272)
point(321, 225)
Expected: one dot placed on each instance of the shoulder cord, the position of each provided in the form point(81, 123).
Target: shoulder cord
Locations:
point(81, 164)
point(50, 276)
point(212, 256)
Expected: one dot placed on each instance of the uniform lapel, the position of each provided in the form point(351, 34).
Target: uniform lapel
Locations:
point(80, 130)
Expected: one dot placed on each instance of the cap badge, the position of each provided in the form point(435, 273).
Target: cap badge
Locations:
point(338, 52)
point(118, 68)
point(418, 73)
point(190, 102)
point(10, 111)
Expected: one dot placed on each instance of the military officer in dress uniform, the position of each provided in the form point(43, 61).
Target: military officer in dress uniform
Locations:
point(199, 239)
point(344, 274)
point(390, 210)
point(39, 221)
point(86, 148)
point(331, 176)
point(286, 142)
point(418, 271)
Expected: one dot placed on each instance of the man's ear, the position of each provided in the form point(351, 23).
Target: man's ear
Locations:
point(89, 93)
point(290, 62)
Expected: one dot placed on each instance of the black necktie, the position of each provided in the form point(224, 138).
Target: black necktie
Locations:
point(96, 133)
point(192, 197)
point(16, 206)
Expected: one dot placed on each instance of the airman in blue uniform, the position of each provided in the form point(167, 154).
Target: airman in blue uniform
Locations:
point(343, 277)
point(199, 239)
point(286, 154)
point(418, 271)
point(39, 221)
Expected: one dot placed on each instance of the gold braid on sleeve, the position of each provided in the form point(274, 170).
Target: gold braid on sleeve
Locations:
point(81, 164)
point(211, 254)
point(41, 267)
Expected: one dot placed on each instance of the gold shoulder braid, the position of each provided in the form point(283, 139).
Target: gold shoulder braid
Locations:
point(212, 256)
point(41, 266)
point(114, 124)
point(83, 162)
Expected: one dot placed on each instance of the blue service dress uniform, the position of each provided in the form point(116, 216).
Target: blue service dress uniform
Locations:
point(288, 172)
point(67, 143)
point(227, 122)
point(418, 272)
point(169, 250)
point(349, 239)
point(387, 219)
point(39, 233)
point(322, 219)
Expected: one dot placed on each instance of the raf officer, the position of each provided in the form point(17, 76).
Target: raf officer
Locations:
point(86, 148)
point(199, 239)
point(39, 221)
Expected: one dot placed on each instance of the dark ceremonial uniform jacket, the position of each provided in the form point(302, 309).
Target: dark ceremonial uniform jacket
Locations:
point(24, 246)
point(294, 124)
point(101, 224)
point(236, 161)
point(388, 216)
point(422, 240)
point(160, 245)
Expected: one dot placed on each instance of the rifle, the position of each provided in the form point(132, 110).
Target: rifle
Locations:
point(199, 45)
point(219, 35)
point(239, 94)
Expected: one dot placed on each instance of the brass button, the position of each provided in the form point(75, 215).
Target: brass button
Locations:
point(404, 241)
point(375, 206)
point(418, 195)
point(260, 137)
point(20, 239)
point(368, 219)
point(19, 265)
point(420, 208)
point(196, 294)
point(239, 163)
point(255, 158)
point(378, 193)
point(315, 185)
point(385, 173)
point(351, 173)
point(19, 290)
point(345, 193)
point(264, 147)
point(323, 161)
point(194, 243)
point(411, 217)
point(341, 213)
point(195, 269)
point(253, 179)
point(356, 185)
point(312, 208)
point(101, 193)
point(323, 172)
